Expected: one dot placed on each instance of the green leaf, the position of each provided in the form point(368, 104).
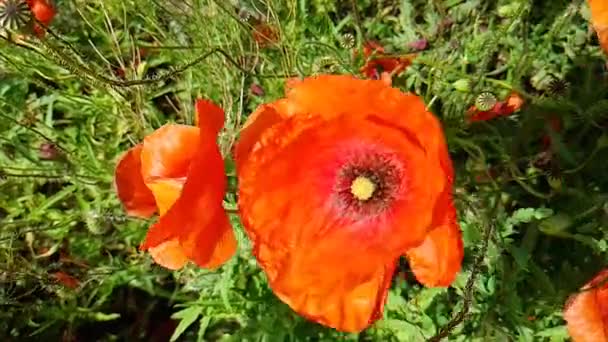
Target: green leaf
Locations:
point(187, 316)
point(204, 323)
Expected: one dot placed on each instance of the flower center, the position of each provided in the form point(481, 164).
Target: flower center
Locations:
point(362, 188)
point(368, 183)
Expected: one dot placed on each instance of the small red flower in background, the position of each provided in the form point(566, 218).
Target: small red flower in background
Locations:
point(265, 34)
point(419, 45)
point(502, 108)
point(257, 89)
point(66, 279)
point(355, 174)
point(555, 124)
point(178, 171)
point(586, 312)
point(43, 11)
point(380, 66)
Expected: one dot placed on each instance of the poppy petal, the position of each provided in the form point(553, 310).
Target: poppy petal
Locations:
point(166, 192)
point(197, 218)
point(438, 259)
point(169, 254)
point(599, 19)
point(168, 151)
point(260, 120)
point(586, 312)
point(135, 196)
point(209, 115)
point(326, 94)
point(345, 299)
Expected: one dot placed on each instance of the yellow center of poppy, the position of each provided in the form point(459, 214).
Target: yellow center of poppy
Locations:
point(362, 188)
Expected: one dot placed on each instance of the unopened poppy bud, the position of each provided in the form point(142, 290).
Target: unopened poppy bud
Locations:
point(462, 85)
point(257, 90)
point(48, 151)
point(419, 44)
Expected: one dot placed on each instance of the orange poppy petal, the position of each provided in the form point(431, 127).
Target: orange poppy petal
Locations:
point(169, 254)
point(514, 102)
point(599, 19)
point(344, 300)
point(209, 116)
point(438, 259)
point(135, 196)
point(166, 192)
point(586, 312)
point(168, 151)
point(197, 218)
point(332, 95)
point(260, 120)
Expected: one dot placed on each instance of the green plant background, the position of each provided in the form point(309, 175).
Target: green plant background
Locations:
point(533, 218)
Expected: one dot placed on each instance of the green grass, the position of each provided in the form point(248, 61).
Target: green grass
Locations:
point(534, 231)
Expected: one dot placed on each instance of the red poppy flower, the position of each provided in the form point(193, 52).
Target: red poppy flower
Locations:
point(586, 312)
point(502, 108)
point(178, 170)
point(380, 66)
point(43, 11)
point(355, 174)
point(599, 20)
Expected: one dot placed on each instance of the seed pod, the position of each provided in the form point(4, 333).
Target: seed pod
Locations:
point(14, 14)
point(485, 101)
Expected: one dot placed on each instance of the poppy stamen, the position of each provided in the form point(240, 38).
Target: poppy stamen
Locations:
point(363, 188)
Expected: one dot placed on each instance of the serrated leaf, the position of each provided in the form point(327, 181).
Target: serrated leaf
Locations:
point(187, 316)
point(203, 324)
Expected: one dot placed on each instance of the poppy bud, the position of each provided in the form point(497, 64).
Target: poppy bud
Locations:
point(462, 85)
point(48, 151)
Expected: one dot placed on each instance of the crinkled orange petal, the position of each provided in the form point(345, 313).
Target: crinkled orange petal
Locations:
point(599, 19)
point(438, 259)
point(332, 95)
point(168, 151)
point(345, 299)
point(135, 196)
point(260, 120)
point(197, 218)
point(586, 312)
